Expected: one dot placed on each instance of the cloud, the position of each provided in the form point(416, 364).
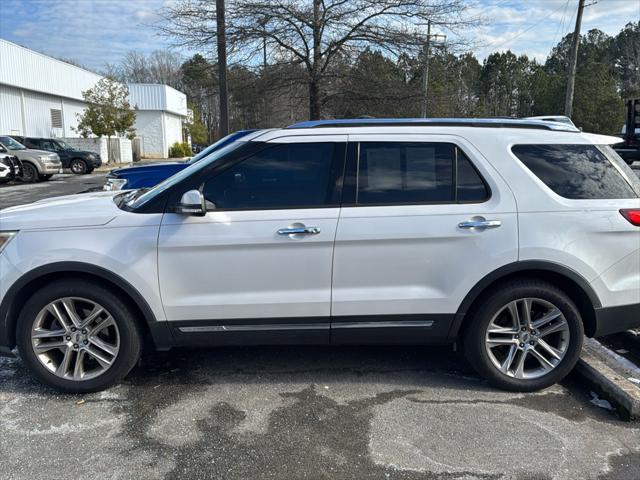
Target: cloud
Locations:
point(535, 27)
point(95, 32)
point(91, 32)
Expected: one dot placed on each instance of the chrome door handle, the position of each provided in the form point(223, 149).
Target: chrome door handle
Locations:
point(299, 231)
point(480, 224)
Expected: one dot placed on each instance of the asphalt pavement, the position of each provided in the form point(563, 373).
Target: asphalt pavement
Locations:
point(19, 193)
point(304, 412)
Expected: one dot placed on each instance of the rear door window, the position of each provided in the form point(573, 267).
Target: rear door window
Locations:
point(409, 173)
point(577, 172)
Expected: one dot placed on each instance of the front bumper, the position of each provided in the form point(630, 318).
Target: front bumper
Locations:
point(51, 168)
point(617, 319)
point(94, 162)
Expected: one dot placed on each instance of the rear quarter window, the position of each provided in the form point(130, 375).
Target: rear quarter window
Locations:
point(577, 172)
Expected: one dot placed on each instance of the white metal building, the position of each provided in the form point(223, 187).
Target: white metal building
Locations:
point(42, 96)
point(161, 111)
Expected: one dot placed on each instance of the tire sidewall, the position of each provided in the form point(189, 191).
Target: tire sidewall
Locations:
point(130, 345)
point(475, 339)
point(82, 166)
point(31, 168)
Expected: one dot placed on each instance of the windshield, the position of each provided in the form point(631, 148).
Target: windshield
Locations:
point(63, 145)
point(219, 144)
point(138, 198)
point(11, 144)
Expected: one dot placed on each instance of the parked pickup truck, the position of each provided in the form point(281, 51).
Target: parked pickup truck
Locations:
point(79, 162)
point(629, 148)
point(147, 176)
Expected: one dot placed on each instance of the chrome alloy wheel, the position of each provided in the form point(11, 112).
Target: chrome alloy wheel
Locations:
point(75, 338)
point(527, 338)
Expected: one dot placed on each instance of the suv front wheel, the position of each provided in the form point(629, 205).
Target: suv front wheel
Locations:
point(78, 166)
point(29, 173)
point(525, 336)
point(78, 337)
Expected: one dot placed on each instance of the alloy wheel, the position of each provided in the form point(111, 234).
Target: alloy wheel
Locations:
point(78, 167)
point(75, 338)
point(527, 338)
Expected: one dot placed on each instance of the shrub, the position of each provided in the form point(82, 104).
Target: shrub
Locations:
point(179, 150)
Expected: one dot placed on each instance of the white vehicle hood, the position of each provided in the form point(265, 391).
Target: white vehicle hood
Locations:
point(71, 211)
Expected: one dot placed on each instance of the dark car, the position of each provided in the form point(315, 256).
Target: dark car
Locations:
point(146, 176)
point(78, 161)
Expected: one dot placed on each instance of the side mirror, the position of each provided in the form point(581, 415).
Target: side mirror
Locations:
point(192, 203)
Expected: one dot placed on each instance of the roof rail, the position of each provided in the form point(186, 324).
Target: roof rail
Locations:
point(437, 122)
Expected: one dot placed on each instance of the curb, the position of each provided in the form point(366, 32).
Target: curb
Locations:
point(600, 368)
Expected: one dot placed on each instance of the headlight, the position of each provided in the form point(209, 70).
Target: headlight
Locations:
point(115, 184)
point(5, 237)
point(49, 158)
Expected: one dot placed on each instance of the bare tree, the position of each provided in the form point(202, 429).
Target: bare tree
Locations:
point(314, 33)
point(160, 66)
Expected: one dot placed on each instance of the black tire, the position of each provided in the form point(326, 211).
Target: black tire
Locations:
point(130, 337)
point(78, 166)
point(29, 173)
point(476, 331)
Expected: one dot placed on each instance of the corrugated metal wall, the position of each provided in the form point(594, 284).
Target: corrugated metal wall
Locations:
point(24, 68)
point(11, 111)
point(29, 113)
point(32, 84)
point(147, 96)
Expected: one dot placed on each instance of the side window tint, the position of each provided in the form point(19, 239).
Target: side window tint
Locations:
point(470, 186)
point(397, 173)
point(405, 173)
point(294, 175)
point(578, 172)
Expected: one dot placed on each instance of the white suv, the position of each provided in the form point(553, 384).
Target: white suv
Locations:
point(511, 238)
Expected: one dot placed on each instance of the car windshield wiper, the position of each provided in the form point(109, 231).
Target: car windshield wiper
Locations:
point(133, 195)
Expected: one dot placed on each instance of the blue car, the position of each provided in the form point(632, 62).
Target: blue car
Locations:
point(146, 176)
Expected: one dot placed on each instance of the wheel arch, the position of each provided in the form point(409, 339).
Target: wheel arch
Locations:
point(571, 282)
point(21, 290)
point(34, 164)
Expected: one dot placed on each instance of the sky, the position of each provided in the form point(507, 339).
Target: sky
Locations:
point(96, 32)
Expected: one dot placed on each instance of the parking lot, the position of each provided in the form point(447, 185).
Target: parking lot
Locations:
point(303, 412)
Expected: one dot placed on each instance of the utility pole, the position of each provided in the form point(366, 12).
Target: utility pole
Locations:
point(573, 61)
point(222, 69)
point(425, 74)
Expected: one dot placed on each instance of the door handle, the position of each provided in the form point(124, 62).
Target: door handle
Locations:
point(480, 224)
point(299, 231)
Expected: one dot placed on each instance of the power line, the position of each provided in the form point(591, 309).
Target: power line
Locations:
point(524, 31)
point(561, 24)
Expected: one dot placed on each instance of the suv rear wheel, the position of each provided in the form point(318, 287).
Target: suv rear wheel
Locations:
point(525, 336)
point(78, 336)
